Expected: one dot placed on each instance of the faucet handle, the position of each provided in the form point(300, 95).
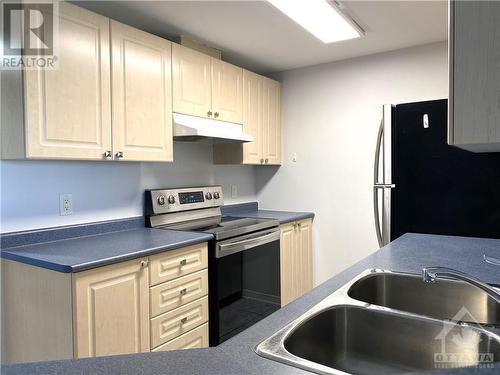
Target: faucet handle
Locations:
point(491, 260)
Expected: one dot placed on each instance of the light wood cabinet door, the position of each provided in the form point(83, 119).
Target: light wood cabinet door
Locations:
point(111, 310)
point(474, 116)
point(67, 110)
point(304, 249)
point(142, 95)
point(252, 116)
point(271, 125)
point(191, 81)
point(227, 91)
point(296, 260)
point(288, 261)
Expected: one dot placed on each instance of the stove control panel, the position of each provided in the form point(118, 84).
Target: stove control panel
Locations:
point(172, 200)
point(191, 197)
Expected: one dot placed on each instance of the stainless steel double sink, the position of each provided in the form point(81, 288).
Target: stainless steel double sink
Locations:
point(385, 322)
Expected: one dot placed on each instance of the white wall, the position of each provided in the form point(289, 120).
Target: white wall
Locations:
point(104, 191)
point(331, 116)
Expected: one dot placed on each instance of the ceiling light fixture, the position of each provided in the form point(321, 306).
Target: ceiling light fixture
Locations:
point(321, 18)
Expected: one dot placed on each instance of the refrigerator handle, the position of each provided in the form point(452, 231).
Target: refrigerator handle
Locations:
point(378, 148)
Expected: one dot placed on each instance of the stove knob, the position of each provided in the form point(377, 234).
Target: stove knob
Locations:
point(216, 195)
point(171, 199)
point(161, 200)
point(208, 196)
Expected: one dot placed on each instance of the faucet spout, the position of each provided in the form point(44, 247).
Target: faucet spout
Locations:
point(430, 274)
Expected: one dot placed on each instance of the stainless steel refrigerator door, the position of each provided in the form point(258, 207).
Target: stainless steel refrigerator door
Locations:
point(382, 182)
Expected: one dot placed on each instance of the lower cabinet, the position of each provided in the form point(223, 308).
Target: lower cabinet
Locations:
point(111, 312)
point(195, 339)
point(108, 310)
point(296, 260)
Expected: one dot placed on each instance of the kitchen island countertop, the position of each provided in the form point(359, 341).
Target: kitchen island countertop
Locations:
point(236, 356)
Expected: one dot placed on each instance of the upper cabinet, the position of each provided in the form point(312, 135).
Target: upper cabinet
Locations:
point(271, 124)
point(80, 110)
point(67, 110)
point(261, 119)
point(252, 117)
point(227, 91)
point(113, 93)
point(191, 80)
point(142, 99)
point(206, 87)
point(474, 105)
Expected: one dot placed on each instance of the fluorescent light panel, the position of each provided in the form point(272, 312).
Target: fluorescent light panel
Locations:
point(319, 18)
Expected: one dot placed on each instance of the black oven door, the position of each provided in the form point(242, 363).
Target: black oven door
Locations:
point(244, 282)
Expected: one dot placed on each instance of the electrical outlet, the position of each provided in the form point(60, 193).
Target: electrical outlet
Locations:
point(65, 204)
point(234, 191)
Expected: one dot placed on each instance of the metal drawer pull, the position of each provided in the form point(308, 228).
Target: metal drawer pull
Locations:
point(144, 263)
point(183, 291)
point(184, 320)
point(183, 262)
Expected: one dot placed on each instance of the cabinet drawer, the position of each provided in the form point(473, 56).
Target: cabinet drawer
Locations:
point(174, 323)
point(178, 292)
point(172, 264)
point(195, 339)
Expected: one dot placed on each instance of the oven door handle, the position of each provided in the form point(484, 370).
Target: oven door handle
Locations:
point(227, 248)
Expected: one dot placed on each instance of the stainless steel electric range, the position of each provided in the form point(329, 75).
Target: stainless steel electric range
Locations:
point(244, 256)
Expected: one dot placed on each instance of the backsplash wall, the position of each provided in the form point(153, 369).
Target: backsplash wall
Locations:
point(107, 190)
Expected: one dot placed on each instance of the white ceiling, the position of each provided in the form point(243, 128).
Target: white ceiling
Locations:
point(255, 35)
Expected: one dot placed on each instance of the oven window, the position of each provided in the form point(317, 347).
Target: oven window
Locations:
point(248, 288)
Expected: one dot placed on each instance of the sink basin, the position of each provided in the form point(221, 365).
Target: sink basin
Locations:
point(361, 341)
point(443, 299)
point(383, 322)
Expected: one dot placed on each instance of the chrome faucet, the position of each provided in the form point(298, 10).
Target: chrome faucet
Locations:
point(430, 274)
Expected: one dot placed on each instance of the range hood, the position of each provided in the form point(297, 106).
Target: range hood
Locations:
point(193, 129)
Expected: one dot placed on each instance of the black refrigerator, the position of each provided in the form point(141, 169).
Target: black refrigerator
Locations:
point(423, 185)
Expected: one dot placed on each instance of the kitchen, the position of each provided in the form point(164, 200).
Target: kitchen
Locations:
point(303, 192)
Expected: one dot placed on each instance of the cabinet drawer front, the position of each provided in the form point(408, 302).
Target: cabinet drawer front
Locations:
point(172, 264)
point(174, 323)
point(173, 294)
point(195, 339)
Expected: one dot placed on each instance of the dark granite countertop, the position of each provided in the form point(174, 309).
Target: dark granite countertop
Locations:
point(236, 356)
point(82, 253)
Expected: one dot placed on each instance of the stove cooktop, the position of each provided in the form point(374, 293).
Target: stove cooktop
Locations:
point(224, 227)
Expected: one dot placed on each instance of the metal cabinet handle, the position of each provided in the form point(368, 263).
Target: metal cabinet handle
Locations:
point(184, 320)
point(267, 160)
point(144, 263)
point(209, 113)
point(183, 291)
point(183, 262)
point(119, 154)
point(216, 114)
point(248, 242)
point(108, 154)
point(261, 161)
